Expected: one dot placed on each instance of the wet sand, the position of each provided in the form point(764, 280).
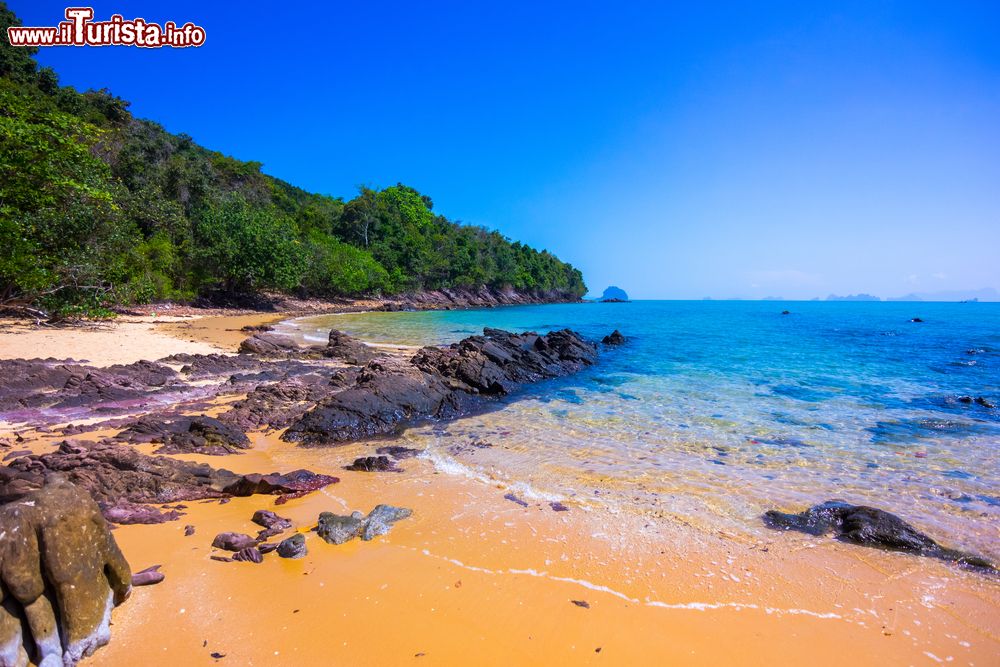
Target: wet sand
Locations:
point(473, 578)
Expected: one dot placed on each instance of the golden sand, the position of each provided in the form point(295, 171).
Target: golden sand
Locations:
point(474, 579)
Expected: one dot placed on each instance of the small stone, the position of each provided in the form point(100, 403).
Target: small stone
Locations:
point(581, 603)
point(293, 547)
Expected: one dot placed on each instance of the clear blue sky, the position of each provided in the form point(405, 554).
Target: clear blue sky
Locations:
point(787, 149)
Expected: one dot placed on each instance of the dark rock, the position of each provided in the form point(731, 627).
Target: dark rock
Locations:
point(868, 526)
point(278, 346)
point(269, 519)
point(786, 312)
point(233, 541)
point(373, 464)
point(965, 399)
point(351, 350)
point(278, 404)
point(256, 328)
point(582, 603)
point(249, 555)
point(293, 547)
point(337, 529)
point(62, 572)
point(440, 383)
point(983, 402)
point(558, 507)
point(188, 531)
point(916, 319)
point(148, 577)
point(614, 338)
point(267, 547)
point(24, 452)
point(181, 435)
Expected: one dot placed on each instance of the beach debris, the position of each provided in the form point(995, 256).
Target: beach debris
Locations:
point(373, 464)
point(233, 541)
point(249, 555)
point(293, 547)
point(151, 575)
point(614, 338)
point(581, 603)
point(55, 539)
point(514, 499)
point(869, 526)
point(558, 506)
point(337, 529)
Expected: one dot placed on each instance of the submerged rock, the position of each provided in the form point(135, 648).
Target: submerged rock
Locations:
point(614, 338)
point(293, 547)
point(62, 573)
point(373, 464)
point(380, 520)
point(868, 526)
point(399, 452)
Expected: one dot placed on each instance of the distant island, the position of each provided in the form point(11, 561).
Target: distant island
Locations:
point(853, 297)
point(614, 295)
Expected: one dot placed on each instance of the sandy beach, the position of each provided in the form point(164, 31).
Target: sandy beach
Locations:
point(475, 578)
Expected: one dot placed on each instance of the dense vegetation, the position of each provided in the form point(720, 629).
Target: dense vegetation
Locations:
point(99, 208)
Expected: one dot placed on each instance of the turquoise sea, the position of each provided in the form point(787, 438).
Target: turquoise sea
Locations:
point(718, 410)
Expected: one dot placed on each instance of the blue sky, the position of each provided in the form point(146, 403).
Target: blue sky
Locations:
point(726, 150)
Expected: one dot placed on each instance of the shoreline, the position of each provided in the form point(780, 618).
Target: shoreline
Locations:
point(472, 570)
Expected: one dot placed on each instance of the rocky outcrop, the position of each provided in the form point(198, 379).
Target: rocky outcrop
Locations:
point(275, 405)
point(441, 383)
point(117, 475)
point(62, 573)
point(481, 297)
point(869, 526)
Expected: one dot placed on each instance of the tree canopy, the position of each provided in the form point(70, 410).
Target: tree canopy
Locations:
point(99, 208)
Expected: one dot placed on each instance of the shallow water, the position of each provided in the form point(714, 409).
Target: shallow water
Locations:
point(716, 411)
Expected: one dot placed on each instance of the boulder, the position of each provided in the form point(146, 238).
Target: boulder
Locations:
point(62, 573)
point(185, 435)
point(233, 541)
point(351, 350)
point(337, 529)
point(869, 526)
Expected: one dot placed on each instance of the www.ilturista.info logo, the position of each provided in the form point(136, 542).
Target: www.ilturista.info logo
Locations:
point(80, 30)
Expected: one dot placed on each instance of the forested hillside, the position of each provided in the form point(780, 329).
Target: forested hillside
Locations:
point(99, 208)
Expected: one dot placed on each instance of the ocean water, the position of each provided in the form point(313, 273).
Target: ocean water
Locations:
point(718, 410)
